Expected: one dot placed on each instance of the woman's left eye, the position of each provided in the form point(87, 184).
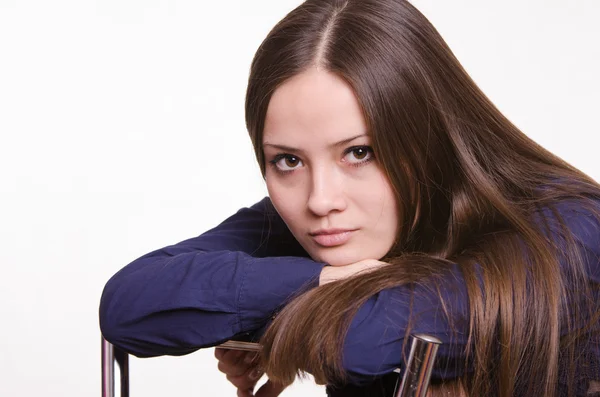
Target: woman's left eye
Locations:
point(359, 154)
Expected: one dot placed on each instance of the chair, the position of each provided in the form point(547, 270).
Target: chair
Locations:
point(110, 355)
point(414, 383)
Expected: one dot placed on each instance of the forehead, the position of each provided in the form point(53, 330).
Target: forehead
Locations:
point(316, 106)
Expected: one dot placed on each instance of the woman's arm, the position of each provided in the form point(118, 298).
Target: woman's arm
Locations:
point(205, 290)
point(374, 341)
point(373, 345)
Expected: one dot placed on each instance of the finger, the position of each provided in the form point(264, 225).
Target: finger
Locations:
point(371, 264)
point(246, 381)
point(250, 358)
point(220, 352)
point(232, 370)
point(245, 393)
point(237, 365)
point(270, 389)
point(232, 356)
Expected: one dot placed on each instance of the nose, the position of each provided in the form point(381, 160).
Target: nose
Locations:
point(327, 191)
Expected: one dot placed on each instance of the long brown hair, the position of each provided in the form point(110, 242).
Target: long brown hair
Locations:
point(468, 185)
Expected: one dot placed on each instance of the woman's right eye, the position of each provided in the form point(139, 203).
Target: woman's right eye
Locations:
point(286, 162)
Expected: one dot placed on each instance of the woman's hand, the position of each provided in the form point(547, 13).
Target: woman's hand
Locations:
point(241, 367)
point(242, 370)
point(334, 273)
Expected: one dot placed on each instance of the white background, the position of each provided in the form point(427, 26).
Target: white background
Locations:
point(122, 131)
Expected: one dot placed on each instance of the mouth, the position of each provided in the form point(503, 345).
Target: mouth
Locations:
point(332, 239)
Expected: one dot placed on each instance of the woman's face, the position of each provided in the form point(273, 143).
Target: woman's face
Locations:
point(322, 175)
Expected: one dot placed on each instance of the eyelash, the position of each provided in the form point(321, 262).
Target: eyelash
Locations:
point(280, 156)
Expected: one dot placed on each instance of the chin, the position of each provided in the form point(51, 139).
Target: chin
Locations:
point(338, 256)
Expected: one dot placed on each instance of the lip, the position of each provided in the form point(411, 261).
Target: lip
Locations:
point(330, 231)
point(332, 237)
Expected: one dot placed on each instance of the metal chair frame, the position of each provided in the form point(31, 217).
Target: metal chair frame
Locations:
point(110, 356)
point(414, 383)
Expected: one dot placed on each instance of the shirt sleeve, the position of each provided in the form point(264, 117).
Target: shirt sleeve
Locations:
point(200, 292)
point(373, 345)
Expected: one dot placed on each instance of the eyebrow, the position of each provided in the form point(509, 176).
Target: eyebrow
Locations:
point(333, 145)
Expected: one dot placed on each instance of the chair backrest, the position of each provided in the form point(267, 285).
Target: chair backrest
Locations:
point(416, 376)
point(414, 382)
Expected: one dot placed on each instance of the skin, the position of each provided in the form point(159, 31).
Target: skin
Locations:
point(329, 177)
point(242, 371)
point(321, 174)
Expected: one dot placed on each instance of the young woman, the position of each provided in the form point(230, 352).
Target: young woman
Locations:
point(400, 201)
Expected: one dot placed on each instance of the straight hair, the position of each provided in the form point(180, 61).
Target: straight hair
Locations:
point(471, 190)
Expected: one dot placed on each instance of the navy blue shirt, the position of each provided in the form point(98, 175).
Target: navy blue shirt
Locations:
point(230, 281)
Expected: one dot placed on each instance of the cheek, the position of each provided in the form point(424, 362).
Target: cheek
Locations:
point(378, 192)
point(287, 202)
point(381, 201)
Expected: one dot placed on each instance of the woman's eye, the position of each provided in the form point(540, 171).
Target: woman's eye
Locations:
point(286, 162)
point(355, 156)
point(359, 154)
